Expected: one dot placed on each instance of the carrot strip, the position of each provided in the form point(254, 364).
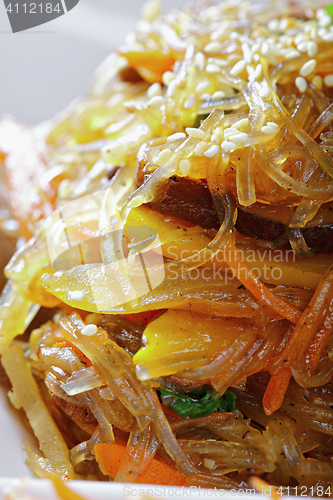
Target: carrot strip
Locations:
point(109, 457)
point(276, 390)
point(316, 349)
point(316, 321)
point(154, 62)
point(264, 488)
point(245, 275)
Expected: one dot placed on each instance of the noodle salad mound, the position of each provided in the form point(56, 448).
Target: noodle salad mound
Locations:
point(173, 276)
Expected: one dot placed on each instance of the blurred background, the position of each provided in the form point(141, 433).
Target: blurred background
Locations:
point(44, 68)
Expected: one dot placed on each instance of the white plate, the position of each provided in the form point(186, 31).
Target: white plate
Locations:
point(42, 490)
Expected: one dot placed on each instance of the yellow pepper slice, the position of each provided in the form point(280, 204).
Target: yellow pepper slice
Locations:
point(179, 340)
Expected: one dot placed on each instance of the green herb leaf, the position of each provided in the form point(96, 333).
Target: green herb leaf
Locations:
point(230, 398)
point(200, 403)
point(329, 9)
point(128, 352)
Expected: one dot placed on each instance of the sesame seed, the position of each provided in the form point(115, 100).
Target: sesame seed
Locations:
point(308, 26)
point(247, 54)
point(201, 87)
point(205, 97)
point(228, 146)
point(257, 72)
point(321, 32)
point(312, 48)
point(199, 61)
point(219, 94)
point(190, 102)
point(308, 67)
point(213, 47)
point(328, 37)
point(273, 25)
point(184, 166)
point(238, 68)
point(229, 131)
point(164, 156)
point(154, 90)
point(212, 151)
point(155, 102)
point(301, 38)
point(286, 41)
point(273, 124)
point(89, 330)
point(317, 81)
point(328, 80)
point(320, 13)
point(283, 24)
point(265, 91)
point(76, 295)
point(265, 50)
point(219, 33)
point(176, 136)
point(292, 31)
point(168, 77)
point(314, 34)
point(303, 46)
point(241, 123)
point(291, 54)
point(58, 274)
point(238, 137)
point(301, 84)
point(233, 58)
point(195, 132)
point(215, 139)
point(213, 68)
point(200, 148)
point(270, 129)
point(255, 48)
point(325, 21)
point(235, 36)
point(219, 62)
point(172, 88)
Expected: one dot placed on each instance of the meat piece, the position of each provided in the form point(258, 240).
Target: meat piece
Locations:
point(191, 201)
point(319, 238)
point(188, 200)
point(129, 74)
point(257, 227)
